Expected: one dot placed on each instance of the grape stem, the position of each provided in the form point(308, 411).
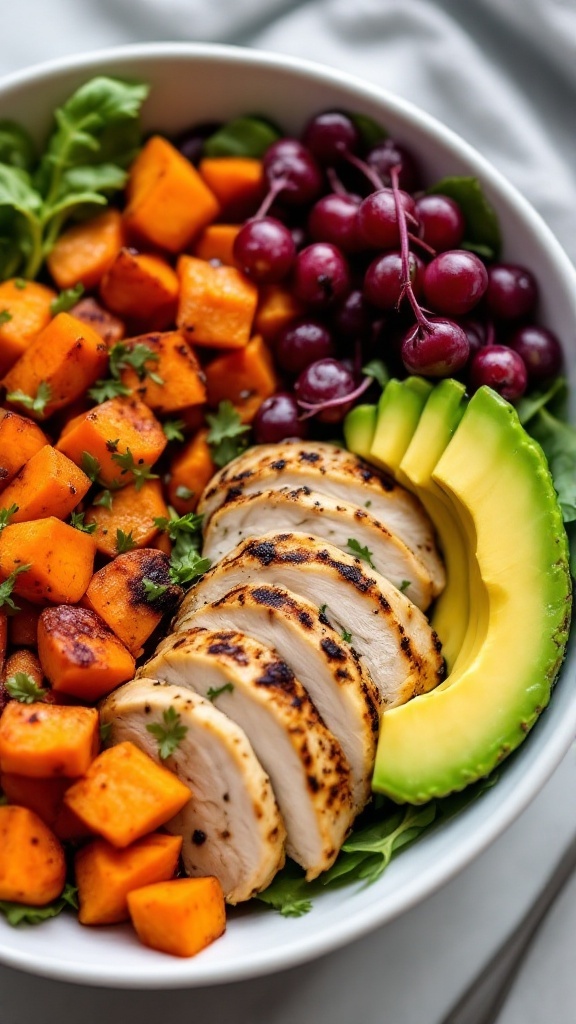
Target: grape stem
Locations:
point(331, 403)
point(269, 198)
point(368, 172)
point(335, 184)
point(406, 282)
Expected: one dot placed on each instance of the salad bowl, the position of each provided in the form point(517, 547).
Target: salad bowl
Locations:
point(203, 83)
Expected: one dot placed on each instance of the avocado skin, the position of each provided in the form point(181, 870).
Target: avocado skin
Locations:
point(498, 477)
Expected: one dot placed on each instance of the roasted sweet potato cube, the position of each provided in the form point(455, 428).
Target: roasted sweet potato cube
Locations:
point(109, 432)
point(20, 439)
point(49, 484)
point(175, 365)
point(32, 862)
point(79, 653)
point(59, 559)
point(120, 594)
point(109, 327)
point(141, 288)
point(238, 183)
point(217, 304)
point(217, 243)
point(277, 308)
point(190, 471)
point(168, 202)
point(25, 309)
point(46, 740)
point(66, 357)
point(124, 795)
point(43, 796)
point(83, 254)
point(245, 378)
point(105, 875)
point(25, 661)
point(24, 624)
point(131, 511)
point(181, 917)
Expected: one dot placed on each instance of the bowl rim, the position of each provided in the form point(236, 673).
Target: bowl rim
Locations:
point(503, 812)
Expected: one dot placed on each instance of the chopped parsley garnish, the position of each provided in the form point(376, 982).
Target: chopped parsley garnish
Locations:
point(7, 587)
point(140, 471)
point(124, 542)
point(6, 514)
point(153, 591)
point(90, 465)
point(66, 299)
point(23, 688)
point(36, 403)
point(227, 435)
point(404, 585)
point(123, 357)
point(188, 567)
point(361, 552)
point(173, 429)
point(105, 731)
point(104, 499)
point(104, 390)
point(214, 692)
point(169, 734)
point(322, 609)
point(189, 523)
point(346, 636)
point(77, 521)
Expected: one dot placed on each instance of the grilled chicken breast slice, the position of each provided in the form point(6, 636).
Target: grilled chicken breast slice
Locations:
point(250, 684)
point(328, 667)
point(392, 636)
point(336, 473)
point(338, 522)
point(232, 827)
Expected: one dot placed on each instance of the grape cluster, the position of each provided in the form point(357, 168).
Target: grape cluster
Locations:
point(382, 271)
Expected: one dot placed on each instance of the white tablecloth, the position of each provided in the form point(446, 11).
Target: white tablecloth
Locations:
point(503, 74)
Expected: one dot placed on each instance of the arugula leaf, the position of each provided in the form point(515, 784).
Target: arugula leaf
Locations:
point(376, 369)
point(140, 472)
point(558, 441)
point(7, 587)
point(22, 687)
point(530, 404)
point(243, 136)
point(66, 299)
point(364, 553)
point(289, 892)
point(226, 437)
point(5, 515)
point(16, 146)
point(213, 692)
point(77, 521)
point(124, 542)
point(153, 591)
point(173, 429)
point(169, 734)
point(482, 228)
point(20, 913)
point(37, 403)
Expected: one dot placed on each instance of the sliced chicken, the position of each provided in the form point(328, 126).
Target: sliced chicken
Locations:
point(394, 638)
point(334, 472)
point(232, 827)
point(340, 523)
point(251, 685)
point(327, 666)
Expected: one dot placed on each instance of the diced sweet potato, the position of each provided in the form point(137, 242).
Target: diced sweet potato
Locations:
point(49, 484)
point(168, 202)
point(43, 796)
point(124, 795)
point(60, 559)
point(217, 304)
point(162, 543)
point(27, 308)
point(66, 356)
point(176, 366)
point(238, 183)
point(277, 307)
point(25, 661)
point(83, 253)
point(217, 242)
point(180, 917)
point(141, 288)
point(32, 862)
point(245, 377)
point(3, 645)
point(190, 471)
point(118, 593)
point(80, 654)
point(110, 431)
point(46, 740)
point(20, 439)
point(68, 826)
point(131, 511)
point(24, 624)
point(109, 327)
point(105, 875)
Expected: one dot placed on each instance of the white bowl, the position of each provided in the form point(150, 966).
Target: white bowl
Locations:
point(194, 83)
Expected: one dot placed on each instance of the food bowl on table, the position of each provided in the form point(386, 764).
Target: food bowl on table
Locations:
point(193, 84)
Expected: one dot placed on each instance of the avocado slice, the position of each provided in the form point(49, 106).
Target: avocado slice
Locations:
point(443, 740)
point(359, 427)
point(440, 418)
point(399, 409)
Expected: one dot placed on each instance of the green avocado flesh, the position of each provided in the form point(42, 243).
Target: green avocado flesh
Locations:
point(500, 489)
point(397, 417)
point(359, 427)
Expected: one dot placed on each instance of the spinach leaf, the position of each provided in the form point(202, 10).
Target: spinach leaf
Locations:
point(371, 132)
point(16, 146)
point(244, 136)
point(482, 228)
